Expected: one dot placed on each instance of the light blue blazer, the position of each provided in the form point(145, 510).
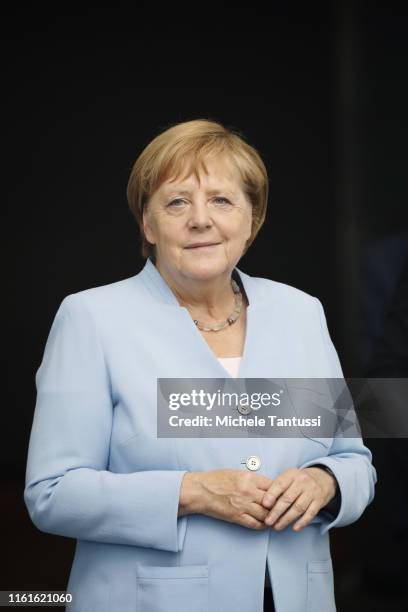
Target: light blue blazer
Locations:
point(97, 472)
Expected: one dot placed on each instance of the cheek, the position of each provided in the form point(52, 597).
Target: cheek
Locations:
point(240, 225)
point(167, 228)
point(248, 225)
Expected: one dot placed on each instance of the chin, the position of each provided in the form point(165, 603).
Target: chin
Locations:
point(205, 269)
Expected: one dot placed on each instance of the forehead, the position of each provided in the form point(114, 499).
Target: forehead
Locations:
point(219, 172)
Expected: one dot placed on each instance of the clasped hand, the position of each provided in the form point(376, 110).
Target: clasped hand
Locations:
point(256, 501)
point(297, 495)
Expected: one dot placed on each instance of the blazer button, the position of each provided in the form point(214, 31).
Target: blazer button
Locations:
point(244, 408)
point(253, 463)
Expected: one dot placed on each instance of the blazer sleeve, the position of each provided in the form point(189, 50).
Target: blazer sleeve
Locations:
point(69, 490)
point(348, 458)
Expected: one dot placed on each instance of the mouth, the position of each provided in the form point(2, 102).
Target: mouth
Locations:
point(205, 245)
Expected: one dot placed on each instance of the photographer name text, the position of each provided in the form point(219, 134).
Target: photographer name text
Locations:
point(272, 420)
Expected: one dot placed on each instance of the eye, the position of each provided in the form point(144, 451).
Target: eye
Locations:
point(178, 202)
point(175, 202)
point(223, 200)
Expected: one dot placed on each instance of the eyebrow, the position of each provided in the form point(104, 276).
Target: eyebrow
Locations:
point(187, 192)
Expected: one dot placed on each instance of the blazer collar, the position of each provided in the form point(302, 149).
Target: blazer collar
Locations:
point(152, 278)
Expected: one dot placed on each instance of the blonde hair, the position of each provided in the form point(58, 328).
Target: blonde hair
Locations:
point(184, 146)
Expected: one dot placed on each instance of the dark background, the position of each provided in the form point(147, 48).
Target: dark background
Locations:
point(321, 91)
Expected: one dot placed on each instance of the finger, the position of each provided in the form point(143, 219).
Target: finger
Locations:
point(279, 485)
point(280, 508)
point(263, 482)
point(249, 521)
point(298, 509)
point(308, 516)
point(283, 503)
point(257, 511)
point(258, 497)
point(250, 491)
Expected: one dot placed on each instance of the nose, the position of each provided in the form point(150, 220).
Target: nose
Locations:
point(199, 215)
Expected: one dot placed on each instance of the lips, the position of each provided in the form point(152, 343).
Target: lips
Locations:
point(202, 245)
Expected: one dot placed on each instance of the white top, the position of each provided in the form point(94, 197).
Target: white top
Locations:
point(231, 364)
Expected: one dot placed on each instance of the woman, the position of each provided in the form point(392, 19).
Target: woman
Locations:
point(184, 524)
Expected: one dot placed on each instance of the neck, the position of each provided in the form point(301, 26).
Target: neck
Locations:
point(211, 299)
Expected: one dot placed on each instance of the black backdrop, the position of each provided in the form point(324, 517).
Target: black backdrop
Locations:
point(320, 91)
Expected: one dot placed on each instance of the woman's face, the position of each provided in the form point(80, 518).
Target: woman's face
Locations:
point(188, 212)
